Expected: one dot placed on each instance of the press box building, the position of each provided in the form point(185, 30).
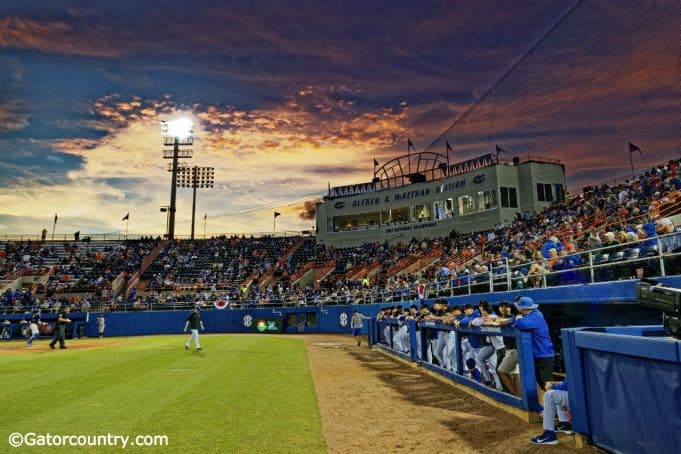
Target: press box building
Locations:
point(421, 196)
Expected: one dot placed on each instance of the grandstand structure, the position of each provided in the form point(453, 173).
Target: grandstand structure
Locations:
point(421, 196)
point(605, 233)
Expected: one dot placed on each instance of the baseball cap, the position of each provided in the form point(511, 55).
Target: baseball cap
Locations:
point(526, 302)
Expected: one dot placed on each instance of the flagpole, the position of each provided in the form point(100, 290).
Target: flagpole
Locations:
point(53, 226)
point(408, 156)
point(631, 163)
point(127, 221)
point(205, 216)
point(632, 148)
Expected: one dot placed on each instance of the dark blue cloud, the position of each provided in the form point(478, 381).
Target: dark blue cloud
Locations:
point(27, 163)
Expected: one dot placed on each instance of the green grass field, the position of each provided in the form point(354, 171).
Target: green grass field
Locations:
point(240, 394)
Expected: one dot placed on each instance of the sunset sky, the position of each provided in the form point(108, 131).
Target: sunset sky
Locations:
point(287, 97)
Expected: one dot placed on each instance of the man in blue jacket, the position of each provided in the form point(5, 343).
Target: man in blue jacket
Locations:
point(532, 320)
point(555, 402)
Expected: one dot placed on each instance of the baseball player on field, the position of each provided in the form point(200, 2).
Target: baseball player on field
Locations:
point(195, 321)
point(34, 327)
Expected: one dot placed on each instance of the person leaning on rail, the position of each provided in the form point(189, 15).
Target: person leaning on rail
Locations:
point(532, 320)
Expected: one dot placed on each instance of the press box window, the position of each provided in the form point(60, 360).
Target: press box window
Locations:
point(559, 192)
point(544, 192)
point(421, 213)
point(395, 215)
point(509, 197)
point(487, 199)
point(466, 204)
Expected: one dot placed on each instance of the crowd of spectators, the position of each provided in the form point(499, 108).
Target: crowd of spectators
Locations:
point(535, 249)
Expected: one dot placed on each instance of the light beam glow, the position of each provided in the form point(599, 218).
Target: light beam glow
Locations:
point(182, 128)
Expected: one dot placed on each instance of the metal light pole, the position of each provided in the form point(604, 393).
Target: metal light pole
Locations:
point(195, 177)
point(176, 133)
point(193, 200)
point(173, 190)
point(166, 209)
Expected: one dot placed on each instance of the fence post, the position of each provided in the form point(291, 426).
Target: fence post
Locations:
point(413, 345)
point(390, 330)
point(458, 353)
point(528, 382)
point(591, 267)
point(659, 254)
point(508, 275)
point(543, 274)
point(491, 279)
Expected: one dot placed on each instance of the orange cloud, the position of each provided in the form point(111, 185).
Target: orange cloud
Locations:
point(59, 37)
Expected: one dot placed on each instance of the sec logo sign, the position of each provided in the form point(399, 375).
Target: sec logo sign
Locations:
point(343, 319)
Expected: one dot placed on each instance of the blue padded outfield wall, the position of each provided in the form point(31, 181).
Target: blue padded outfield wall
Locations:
point(625, 387)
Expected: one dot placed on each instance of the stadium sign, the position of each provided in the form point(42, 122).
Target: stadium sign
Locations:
point(458, 184)
point(365, 202)
point(412, 194)
point(269, 325)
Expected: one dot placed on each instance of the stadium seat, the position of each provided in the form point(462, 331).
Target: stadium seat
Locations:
point(617, 256)
point(631, 254)
point(650, 251)
point(601, 259)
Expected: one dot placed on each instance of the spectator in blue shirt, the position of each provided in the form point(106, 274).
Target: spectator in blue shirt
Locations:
point(551, 243)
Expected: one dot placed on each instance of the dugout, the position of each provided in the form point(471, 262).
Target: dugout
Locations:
point(301, 321)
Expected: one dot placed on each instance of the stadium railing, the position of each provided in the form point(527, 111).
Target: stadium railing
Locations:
point(420, 351)
point(656, 256)
point(121, 236)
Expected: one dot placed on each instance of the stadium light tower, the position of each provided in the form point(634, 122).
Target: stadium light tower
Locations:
point(176, 133)
point(195, 177)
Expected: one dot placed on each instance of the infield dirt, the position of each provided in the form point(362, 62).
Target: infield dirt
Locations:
point(42, 345)
point(370, 402)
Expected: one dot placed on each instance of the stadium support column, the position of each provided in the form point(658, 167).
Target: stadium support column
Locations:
point(173, 191)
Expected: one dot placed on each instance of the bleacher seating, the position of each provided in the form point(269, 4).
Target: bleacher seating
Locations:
point(612, 226)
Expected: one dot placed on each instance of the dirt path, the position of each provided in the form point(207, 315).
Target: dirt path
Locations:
point(370, 402)
point(16, 347)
